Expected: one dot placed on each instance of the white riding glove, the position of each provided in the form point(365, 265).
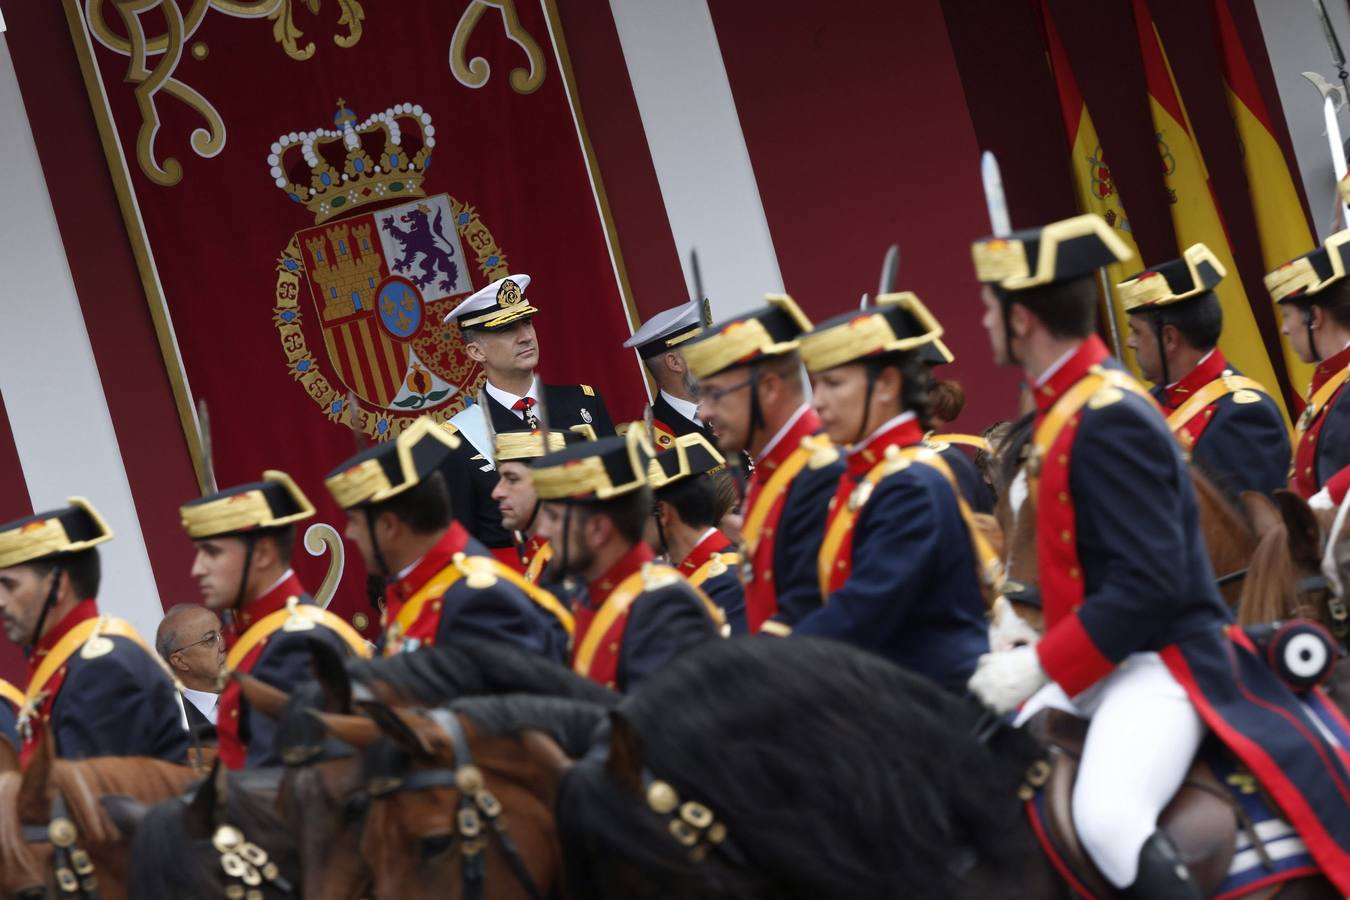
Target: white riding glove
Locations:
point(1322, 500)
point(1002, 681)
point(1007, 629)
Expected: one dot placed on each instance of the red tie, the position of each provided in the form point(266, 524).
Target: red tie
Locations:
point(525, 406)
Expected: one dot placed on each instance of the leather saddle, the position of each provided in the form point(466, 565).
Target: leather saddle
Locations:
point(1202, 819)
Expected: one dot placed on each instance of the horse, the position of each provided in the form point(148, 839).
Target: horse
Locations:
point(77, 804)
point(441, 794)
point(321, 795)
point(225, 834)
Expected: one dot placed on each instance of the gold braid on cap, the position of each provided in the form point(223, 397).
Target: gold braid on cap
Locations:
point(1003, 262)
point(244, 511)
point(868, 333)
point(1299, 277)
point(588, 479)
point(366, 482)
point(526, 444)
point(48, 537)
point(1153, 289)
point(742, 341)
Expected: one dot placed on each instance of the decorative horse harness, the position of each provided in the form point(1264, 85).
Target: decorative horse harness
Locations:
point(74, 870)
point(476, 803)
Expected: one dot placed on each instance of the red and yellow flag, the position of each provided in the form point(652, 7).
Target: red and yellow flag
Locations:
point(1091, 175)
point(1195, 215)
point(1280, 220)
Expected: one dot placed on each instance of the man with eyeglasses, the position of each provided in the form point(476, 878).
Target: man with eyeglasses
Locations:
point(752, 392)
point(190, 640)
point(243, 537)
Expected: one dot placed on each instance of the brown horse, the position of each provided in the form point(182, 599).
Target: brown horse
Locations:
point(85, 794)
point(440, 794)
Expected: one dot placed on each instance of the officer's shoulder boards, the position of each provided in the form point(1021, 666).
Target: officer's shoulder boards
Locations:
point(657, 577)
point(823, 453)
point(479, 571)
point(587, 390)
point(895, 461)
point(1105, 396)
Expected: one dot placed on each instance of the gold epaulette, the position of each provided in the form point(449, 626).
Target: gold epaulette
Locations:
point(655, 577)
point(478, 571)
point(896, 461)
point(823, 453)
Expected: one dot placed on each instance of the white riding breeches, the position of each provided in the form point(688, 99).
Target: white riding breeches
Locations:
point(1143, 735)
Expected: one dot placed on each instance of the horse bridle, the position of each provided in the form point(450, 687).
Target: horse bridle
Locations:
point(476, 803)
point(74, 870)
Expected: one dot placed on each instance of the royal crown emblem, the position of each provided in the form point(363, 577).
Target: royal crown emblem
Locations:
point(361, 295)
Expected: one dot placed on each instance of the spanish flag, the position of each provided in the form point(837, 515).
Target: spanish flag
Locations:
point(1195, 215)
point(1280, 220)
point(1091, 175)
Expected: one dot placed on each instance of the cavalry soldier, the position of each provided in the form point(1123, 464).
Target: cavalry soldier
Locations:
point(11, 701)
point(897, 566)
point(1313, 296)
point(1232, 429)
point(515, 494)
point(432, 580)
point(94, 687)
point(498, 330)
point(1137, 636)
point(243, 537)
point(684, 523)
point(636, 614)
point(752, 393)
point(674, 412)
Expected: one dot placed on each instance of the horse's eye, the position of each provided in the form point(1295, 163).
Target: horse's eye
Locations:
point(434, 845)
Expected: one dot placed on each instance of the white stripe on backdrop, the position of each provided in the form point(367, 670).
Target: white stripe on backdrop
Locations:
point(53, 394)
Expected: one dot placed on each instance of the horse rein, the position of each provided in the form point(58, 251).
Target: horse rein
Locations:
point(74, 870)
point(476, 803)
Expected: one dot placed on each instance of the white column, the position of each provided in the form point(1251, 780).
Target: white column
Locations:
point(57, 411)
point(698, 148)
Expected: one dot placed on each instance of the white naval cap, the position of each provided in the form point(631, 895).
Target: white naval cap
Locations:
point(497, 305)
point(668, 328)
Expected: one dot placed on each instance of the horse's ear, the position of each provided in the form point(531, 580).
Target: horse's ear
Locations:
point(624, 762)
point(1305, 535)
point(355, 730)
point(199, 819)
point(392, 723)
point(9, 757)
point(331, 672)
point(125, 812)
point(260, 695)
point(1262, 513)
point(35, 799)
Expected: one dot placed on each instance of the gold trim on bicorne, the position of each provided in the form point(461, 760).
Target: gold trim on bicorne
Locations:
point(1005, 263)
point(714, 565)
point(987, 566)
point(367, 482)
point(967, 440)
point(526, 444)
point(1152, 288)
point(587, 477)
point(88, 631)
point(1300, 275)
point(1318, 402)
point(1000, 259)
point(776, 486)
point(11, 693)
point(867, 333)
point(1216, 389)
point(250, 509)
point(295, 612)
point(618, 603)
point(48, 536)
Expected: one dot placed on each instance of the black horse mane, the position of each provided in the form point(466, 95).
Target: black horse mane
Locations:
point(440, 674)
point(834, 772)
point(571, 723)
point(168, 861)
